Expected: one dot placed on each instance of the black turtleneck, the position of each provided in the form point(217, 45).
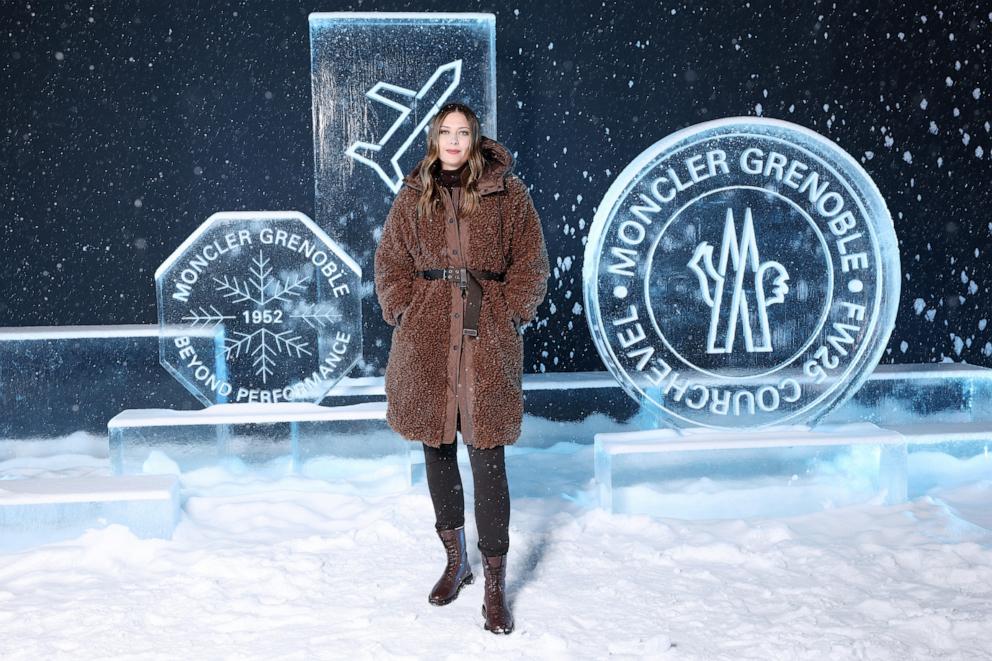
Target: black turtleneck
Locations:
point(451, 178)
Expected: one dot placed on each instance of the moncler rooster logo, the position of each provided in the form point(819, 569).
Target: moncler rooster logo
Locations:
point(742, 256)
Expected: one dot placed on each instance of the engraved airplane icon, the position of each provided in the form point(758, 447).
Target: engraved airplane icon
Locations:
point(384, 156)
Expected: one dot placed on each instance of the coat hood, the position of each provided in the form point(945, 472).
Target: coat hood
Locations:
point(499, 165)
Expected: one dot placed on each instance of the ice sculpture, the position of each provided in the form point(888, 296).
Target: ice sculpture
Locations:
point(58, 380)
point(779, 472)
point(349, 445)
point(39, 510)
point(280, 299)
point(378, 79)
point(741, 273)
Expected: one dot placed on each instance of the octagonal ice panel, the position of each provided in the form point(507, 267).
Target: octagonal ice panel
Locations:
point(278, 299)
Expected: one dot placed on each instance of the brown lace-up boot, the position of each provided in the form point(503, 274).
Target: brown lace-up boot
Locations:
point(457, 572)
point(494, 607)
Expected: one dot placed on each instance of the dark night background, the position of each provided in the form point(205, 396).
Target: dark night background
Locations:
point(126, 124)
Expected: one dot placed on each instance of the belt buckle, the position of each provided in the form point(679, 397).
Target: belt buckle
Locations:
point(456, 275)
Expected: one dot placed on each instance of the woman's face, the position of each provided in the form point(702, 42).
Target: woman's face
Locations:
point(454, 140)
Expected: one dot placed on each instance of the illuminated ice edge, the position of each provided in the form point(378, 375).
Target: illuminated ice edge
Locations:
point(889, 285)
point(125, 331)
point(400, 16)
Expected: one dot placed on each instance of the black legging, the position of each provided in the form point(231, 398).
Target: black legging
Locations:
point(492, 494)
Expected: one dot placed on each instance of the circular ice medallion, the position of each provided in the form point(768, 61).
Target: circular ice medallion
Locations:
point(259, 307)
point(740, 273)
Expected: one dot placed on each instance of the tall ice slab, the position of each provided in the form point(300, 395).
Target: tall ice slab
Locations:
point(378, 79)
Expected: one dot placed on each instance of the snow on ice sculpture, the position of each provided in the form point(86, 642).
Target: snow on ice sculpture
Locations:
point(741, 273)
point(378, 79)
point(280, 300)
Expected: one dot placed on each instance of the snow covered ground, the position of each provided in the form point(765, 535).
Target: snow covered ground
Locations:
point(266, 565)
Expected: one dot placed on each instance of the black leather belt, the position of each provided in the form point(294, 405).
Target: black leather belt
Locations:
point(468, 280)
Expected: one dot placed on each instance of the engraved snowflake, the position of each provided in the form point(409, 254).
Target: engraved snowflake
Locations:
point(261, 288)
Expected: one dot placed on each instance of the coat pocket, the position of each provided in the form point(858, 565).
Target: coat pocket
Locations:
point(403, 319)
point(505, 313)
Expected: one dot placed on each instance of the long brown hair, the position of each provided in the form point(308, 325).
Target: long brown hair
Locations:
point(430, 197)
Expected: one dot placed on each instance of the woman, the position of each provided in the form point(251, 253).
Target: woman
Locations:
point(460, 267)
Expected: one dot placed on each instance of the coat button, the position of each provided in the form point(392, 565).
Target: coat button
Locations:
point(454, 252)
point(451, 221)
point(457, 314)
point(454, 347)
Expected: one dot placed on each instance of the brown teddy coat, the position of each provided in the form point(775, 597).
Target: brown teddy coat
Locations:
point(505, 236)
